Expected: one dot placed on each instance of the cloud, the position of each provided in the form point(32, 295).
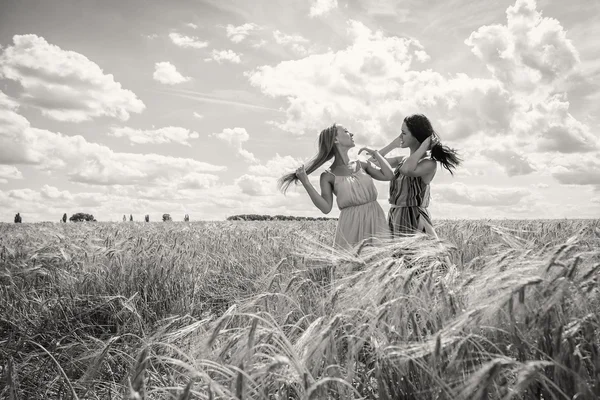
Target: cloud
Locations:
point(530, 53)
point(258, 44)
point(366, 84)
point(51, 192)
point(196, 180)
point(238, 33)
point(584, 172)
point(513, 163)
point(224, 55)
point(235, 138)
point(256, 185)
point(169, 134)
point(322, 7)
point(276, 166)
point(534, 60)
point(187, 42)
point(295, 42)
point(165, 72)
point(481, 196)
point(88, 162)
point(199, 116)
point(191, 25)
point(64, 85)
point(9, 172)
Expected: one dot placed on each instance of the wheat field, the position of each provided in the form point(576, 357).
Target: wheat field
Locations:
point(266, 310)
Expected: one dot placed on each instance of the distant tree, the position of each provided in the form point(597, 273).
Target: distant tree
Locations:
point(64, 218)
point(18, 218)
point(186, 218)
point(147, 218)
point(130, 217)
point(256, 217)
point(82, 217)
point(166, 217)
point(124, 218)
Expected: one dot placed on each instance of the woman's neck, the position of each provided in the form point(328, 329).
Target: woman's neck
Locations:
point(341, 158)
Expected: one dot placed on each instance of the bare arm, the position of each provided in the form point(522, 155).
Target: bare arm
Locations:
point(411, 163)
point(384, 172)
point(324, 200)
point(392, 161)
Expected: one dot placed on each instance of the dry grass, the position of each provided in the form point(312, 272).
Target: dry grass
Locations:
point(265, 310)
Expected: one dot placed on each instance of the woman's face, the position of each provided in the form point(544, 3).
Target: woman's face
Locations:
point(344, 138)
point(406, 138)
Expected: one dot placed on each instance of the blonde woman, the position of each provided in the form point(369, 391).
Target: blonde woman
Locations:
point(361, 216)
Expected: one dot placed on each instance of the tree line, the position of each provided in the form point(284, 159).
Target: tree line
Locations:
point(257, 217)
point(80, 217)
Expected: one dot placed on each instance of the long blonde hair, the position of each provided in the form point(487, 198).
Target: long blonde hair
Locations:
point(326, 153)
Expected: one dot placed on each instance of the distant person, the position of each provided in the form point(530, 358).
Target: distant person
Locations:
point(409, 189)
point(361, 216)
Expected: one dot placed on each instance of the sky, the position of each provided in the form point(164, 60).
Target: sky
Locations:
point(197, 106)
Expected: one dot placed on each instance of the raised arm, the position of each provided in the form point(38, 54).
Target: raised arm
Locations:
point(324, 200)
point(392, 161)
point(412, 165)
point(384, 172)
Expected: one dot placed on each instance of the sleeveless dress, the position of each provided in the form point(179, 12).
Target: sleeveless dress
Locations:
point(409, 199)
point(361, 216)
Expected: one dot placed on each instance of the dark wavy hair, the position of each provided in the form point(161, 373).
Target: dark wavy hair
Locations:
point(326, 153)
point(420, 127)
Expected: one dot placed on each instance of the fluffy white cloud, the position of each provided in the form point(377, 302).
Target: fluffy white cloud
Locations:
point(276, 166)
point(196, 180)
point(192, 25)
point(367, 83)
point(190, 42)
point(295, 42)
point(533, 59)
point(224, 55)
point(199, 116)
point(238, 33)
point(165, 72)
point(257, 185)
point(64, 85)
point(530, 53)
point(459, 193)
point(51, 192)
point(322, 7)
point(84, 161)
point(169, 134)
point(364, 84)
point(9, 172)
point(586, 171)
point(235, 138)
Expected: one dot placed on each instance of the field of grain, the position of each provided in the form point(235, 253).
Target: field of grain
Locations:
point(265, 310)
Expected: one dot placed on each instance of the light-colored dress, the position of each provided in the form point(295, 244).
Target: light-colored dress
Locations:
point(409, 199)
point(361, 216)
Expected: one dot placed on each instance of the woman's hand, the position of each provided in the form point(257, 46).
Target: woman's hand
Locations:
point(370, 152)
point(301, 174)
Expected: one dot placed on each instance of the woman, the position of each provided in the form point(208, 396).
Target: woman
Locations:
point(361, 216)
point(409, 189)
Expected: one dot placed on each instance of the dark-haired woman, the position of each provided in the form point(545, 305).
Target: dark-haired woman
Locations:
point(409, 189)
point(361, 217)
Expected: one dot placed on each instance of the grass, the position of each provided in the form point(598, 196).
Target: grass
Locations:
point(265, 310)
